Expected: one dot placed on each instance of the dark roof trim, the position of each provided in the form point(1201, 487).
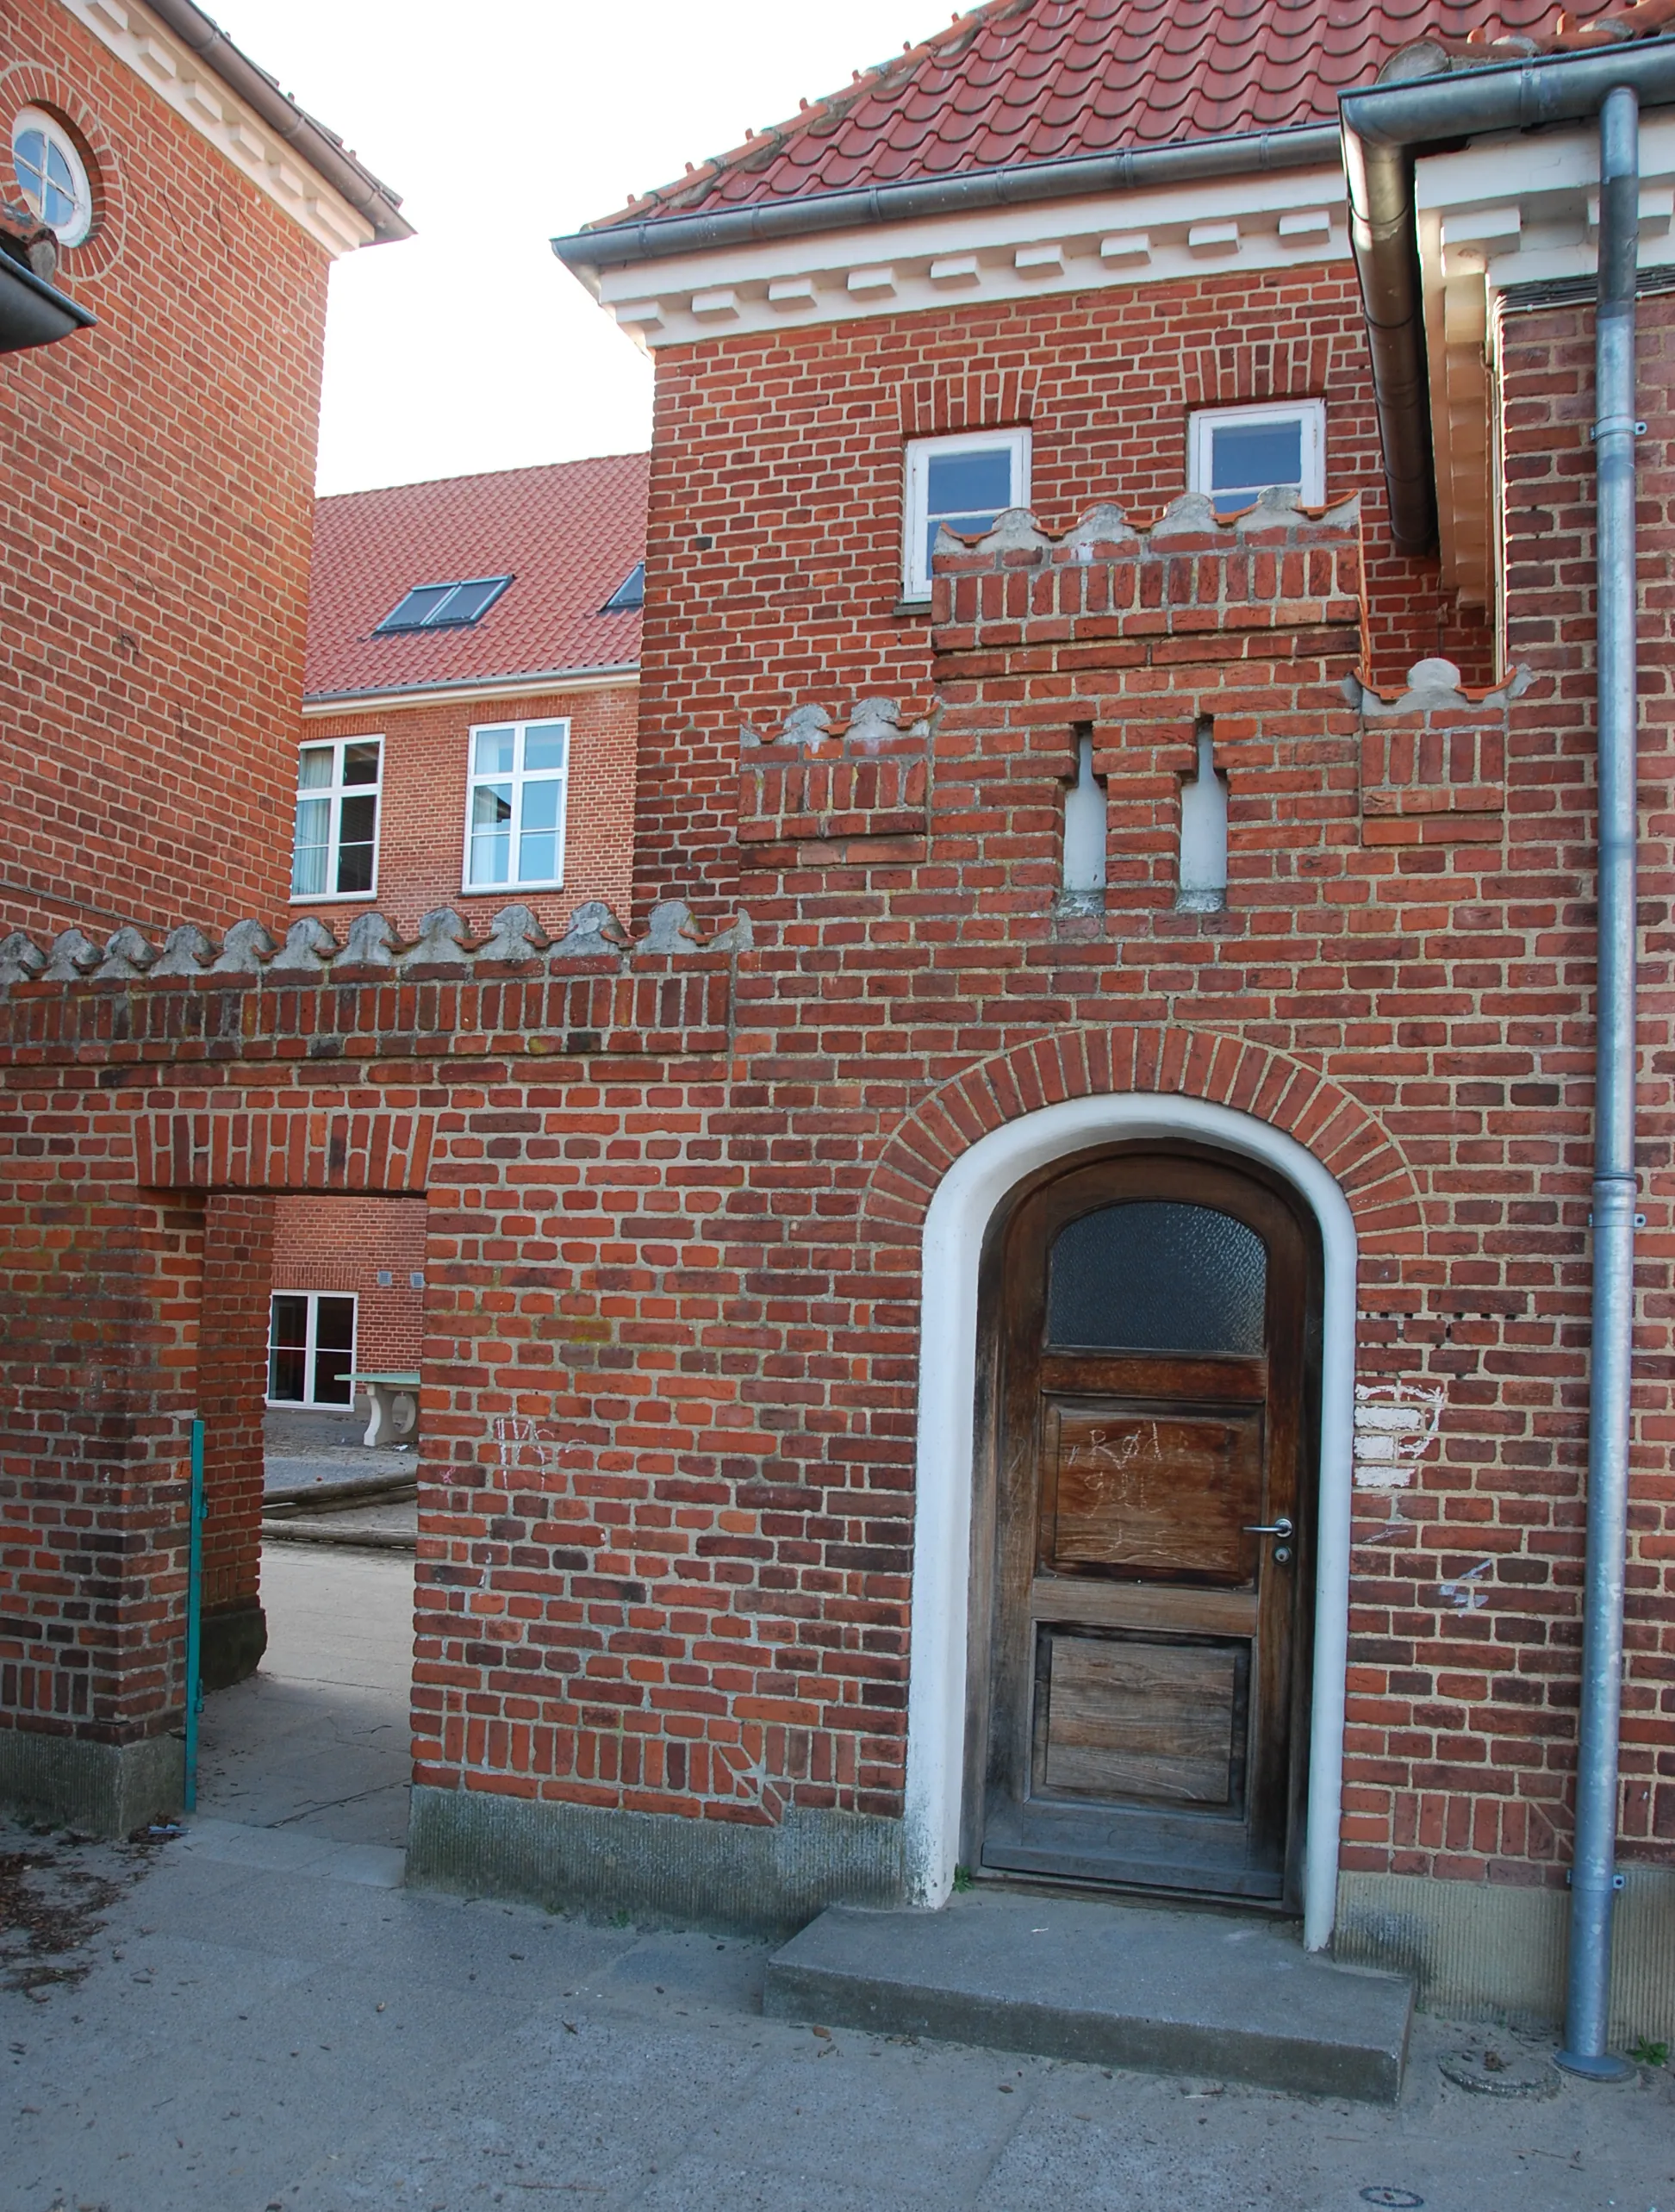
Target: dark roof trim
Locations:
point(619, 244)
point(510, 682)
point(1384, 129)
point(31, 311)
point(311, 141)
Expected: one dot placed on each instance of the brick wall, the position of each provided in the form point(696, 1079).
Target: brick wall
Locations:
point(232, 1375)
point(785, 451)
point(155, 523)
point(422, 821)
point(675, 1204)
point(345, 1245)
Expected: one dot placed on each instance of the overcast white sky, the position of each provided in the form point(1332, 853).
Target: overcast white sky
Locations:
point(502, 123)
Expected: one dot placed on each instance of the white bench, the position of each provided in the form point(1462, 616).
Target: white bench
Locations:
point(394, 1401)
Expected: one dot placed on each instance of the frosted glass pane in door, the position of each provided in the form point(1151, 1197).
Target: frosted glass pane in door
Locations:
point(1157, 1277)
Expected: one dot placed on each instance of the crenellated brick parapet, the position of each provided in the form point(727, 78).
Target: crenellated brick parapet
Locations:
point(1434, 759)
point(594, 991)
point(444, 949)
point(1193, 587)
point(819, 792)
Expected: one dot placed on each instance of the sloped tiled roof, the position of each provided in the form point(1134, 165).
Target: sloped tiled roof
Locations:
point(1021, 81)
point(567, 534)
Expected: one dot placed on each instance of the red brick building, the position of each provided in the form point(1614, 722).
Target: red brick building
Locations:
point(1037, 1317)
point(160, 485)
point(468, 718)
point(159, 503)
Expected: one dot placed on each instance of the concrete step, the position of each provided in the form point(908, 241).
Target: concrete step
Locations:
point(1118, 1983)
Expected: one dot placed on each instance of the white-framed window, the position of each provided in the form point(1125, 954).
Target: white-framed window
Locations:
point(1236, 453)
point(964, 482)
point(51, 175)
point(311, 1348)
point(335, 853)
point(515, 809)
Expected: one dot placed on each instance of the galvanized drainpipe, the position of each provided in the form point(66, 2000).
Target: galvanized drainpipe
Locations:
point(1593, 1874)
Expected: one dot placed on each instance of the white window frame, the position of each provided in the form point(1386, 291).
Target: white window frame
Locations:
point(916, 493)
point(309, 1401)
point(37, 119)
point(337, 791)
point(1310, 413)
point(519, 778)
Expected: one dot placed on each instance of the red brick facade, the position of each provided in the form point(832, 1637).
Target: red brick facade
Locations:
point(680, 1279)
point(349, 1244)
point(427, 751)
point(674, 1207)
point(156, 521)
point(785, 451)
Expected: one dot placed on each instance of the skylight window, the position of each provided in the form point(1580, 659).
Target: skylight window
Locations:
point(629, 594)
point(444, 606)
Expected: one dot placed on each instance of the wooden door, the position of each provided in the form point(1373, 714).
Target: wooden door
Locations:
point(1149, 1549)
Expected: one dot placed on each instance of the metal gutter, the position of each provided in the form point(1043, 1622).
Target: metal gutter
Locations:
point(615, 676)
point(1593, 1868)
point(1384, 128)
point(616, 246)
point(312, 143)
point(31, 311)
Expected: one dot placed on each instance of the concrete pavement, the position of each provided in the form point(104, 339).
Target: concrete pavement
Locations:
point(262, 2022)
point(255, 2014)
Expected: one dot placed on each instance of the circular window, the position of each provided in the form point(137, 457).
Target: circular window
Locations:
point(51, 176)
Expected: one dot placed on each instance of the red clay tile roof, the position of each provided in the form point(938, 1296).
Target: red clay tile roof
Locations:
point(568, 535)
point(1019, 81)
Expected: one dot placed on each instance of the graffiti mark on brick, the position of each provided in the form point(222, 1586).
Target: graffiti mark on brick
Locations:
point(1394, 1425)
point(1467, 1593)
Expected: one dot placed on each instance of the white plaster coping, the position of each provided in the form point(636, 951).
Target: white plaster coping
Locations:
point(959, 1215)
point(1104, 240)
point(216, 112)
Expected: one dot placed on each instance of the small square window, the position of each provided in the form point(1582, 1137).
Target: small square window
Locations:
point(965, 483)
point(335, 851)
point(1236, 453)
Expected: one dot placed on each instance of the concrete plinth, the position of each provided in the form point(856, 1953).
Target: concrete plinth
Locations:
point(1117, 1985)
point(107, 1789)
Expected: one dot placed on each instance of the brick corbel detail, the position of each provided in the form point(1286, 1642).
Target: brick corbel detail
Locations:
point(1350, 1143)
point(284, 1150)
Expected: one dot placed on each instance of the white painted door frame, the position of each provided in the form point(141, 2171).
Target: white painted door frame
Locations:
point(955, 1226)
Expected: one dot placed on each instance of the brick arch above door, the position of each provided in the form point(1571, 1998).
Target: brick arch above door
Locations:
point(1345, 1136)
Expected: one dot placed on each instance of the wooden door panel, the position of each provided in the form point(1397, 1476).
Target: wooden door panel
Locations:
point(1120, 1718)
point(1150, 1495)
point(1139, 1705)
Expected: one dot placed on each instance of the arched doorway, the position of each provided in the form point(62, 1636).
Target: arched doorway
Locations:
point(1143, 1553)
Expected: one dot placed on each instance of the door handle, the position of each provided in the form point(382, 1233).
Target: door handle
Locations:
point(1282, 1527)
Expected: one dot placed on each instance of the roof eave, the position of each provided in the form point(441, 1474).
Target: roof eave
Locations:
point(668, 237)
point(310, 141)
point(1385, 128)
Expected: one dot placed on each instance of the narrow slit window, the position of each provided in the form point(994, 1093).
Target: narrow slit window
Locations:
point(1203, 883)
point(1085, 829)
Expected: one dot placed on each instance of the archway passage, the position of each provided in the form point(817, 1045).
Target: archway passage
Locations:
point(1139, 1705)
